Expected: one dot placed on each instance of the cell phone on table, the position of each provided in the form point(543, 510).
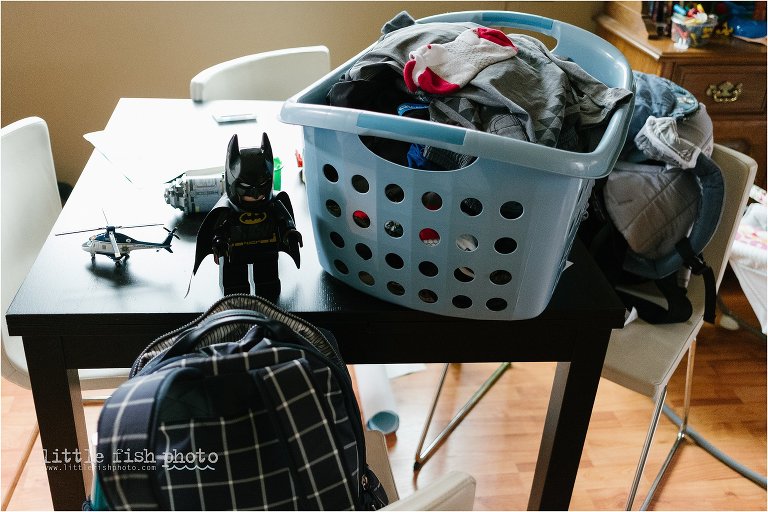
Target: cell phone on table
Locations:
point(222, 118)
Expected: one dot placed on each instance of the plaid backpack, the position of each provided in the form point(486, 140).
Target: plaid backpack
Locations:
point(247, 407)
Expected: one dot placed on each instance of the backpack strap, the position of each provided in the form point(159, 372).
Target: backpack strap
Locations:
point(678, 309)
point(699, 267)
point(300, 419)
point(128, 415)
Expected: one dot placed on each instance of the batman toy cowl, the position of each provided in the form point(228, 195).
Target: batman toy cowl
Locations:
point(249, 226)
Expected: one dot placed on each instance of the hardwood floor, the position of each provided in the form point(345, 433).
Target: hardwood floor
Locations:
point(499, 440)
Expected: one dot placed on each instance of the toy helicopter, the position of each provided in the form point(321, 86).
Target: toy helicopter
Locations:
point(117, 246)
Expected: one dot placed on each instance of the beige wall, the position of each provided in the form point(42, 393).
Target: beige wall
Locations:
point(70, 62)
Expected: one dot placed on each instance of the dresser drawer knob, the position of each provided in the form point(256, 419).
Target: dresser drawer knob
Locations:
point(724, 92)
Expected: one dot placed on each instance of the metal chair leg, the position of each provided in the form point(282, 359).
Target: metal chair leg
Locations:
point(20, 466)
point(686, 432)
point(28, 452)
point(646, 448)
point(697, 438)
point(681, 433)
point(422, 457)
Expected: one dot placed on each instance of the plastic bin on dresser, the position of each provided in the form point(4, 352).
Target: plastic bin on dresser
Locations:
point(487, 241)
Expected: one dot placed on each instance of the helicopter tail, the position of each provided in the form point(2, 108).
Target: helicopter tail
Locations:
point(169, 239)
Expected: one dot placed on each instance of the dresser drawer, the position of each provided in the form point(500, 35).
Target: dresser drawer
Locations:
point(698, 79)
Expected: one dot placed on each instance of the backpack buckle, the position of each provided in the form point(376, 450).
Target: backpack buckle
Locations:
point(697, 264)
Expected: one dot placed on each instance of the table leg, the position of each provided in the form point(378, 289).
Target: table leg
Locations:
point(565, 428)
point(59, 409)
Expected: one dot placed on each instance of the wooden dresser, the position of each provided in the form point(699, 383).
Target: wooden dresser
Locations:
point(739, 119)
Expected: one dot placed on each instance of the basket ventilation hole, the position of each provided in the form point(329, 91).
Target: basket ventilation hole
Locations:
point(464, 274)
point(428, 296)
point(337, 239)
point(366, 278)
point(364, 251)
point(341, 266)
point(394, 193)
point(471, 206)
point(462, 301)
point(361, 218)
point(395, 288)
point(505, 245)
point(360, 184)
point(466, 243)
point(394, 261)
point(333, 208)
point(432, 201)
point(428, 268)
point(330, 173)
point(393, 229)
point(429, 236)
point(511, 210)
point(500, 277)
point(496, 304)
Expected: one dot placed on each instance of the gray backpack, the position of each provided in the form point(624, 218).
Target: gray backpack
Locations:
point(651, 218)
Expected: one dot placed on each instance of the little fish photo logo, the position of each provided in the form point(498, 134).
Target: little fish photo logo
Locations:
point(194, 461)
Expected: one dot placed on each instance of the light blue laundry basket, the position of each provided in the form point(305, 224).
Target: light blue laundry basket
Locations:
point(487, 241)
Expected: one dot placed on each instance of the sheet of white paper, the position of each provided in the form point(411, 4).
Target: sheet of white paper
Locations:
point(143, 160)
point(376, 398)
point(150, 149)
point(398, 370)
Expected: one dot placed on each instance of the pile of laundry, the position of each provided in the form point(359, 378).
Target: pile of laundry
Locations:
point(479, 78)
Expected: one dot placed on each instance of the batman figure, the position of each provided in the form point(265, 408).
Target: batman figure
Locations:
point(248, 226)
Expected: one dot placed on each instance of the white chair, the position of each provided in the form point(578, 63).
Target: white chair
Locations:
point(453, 491)
point(642, 357)
point(29, 206)
point(275, 75)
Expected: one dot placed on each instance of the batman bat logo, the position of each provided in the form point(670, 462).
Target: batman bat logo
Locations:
point(253, 218)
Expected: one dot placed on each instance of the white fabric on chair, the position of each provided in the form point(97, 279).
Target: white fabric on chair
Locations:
point(749, 260)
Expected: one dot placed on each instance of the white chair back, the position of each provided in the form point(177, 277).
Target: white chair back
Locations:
point(29, 206)
point(275, 75)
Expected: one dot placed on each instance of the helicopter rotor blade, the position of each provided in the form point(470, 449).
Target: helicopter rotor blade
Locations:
point(80, 231)
point(106, 227)
point(138, 226)
point(115, 248)
point(172, 232)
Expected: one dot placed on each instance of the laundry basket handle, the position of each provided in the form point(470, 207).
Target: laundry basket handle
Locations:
point(595, 56)
point(496, 19)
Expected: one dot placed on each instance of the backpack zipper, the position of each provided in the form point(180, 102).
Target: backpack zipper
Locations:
point(318, 337)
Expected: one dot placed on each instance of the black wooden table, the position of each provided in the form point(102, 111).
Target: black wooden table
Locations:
point(73, 313)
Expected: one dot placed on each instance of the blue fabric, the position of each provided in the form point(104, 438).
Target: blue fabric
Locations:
point(416, 159)
point(658, 97)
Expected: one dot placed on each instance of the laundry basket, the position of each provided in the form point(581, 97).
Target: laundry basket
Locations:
point(487, 241)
